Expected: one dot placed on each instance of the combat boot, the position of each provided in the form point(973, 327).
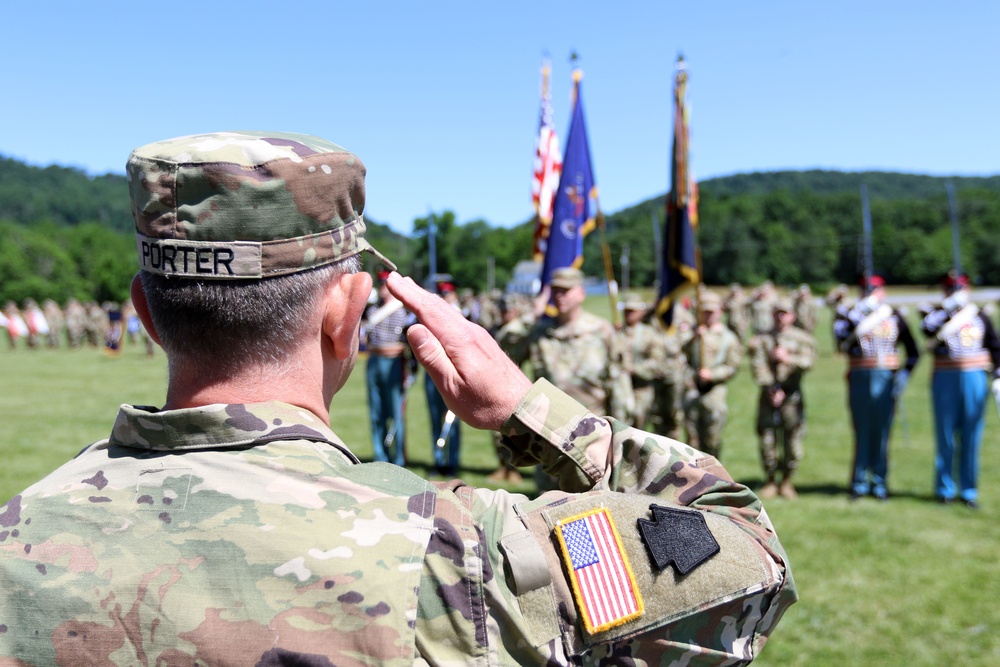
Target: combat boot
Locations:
point(787, 490)
point(498, 475)
point(768, 491)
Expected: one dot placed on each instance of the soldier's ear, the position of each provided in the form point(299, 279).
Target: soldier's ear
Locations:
point(142, 308)
point(344, 301)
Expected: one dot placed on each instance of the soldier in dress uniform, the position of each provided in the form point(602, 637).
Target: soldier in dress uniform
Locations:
point(869, 334)
point(447, 457)
point(713, 356)
point(778, 360)
point(385, 372)
point(966, 373)
point(233, 527)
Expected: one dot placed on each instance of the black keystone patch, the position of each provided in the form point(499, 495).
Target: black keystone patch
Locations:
point(678, 536)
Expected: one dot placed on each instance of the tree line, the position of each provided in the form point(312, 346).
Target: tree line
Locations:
point(65, 234)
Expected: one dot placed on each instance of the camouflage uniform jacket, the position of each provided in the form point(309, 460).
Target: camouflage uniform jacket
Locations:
point(645, 353)
point(250, 535)
point(722, 356)
point(767, 372)
point(584, 358)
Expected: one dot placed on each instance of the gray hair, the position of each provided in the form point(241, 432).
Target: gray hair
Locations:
point(226, 326)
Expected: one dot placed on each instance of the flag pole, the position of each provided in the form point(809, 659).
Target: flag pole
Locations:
point(956, 246)
point(609, 271)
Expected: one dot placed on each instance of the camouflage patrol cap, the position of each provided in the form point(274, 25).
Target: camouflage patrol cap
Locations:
point(236, 205)
point(709, 302)
point(632, 301)
point(784, 305)
point(567, 277)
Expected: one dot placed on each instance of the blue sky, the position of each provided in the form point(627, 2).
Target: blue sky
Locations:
point(440, 99)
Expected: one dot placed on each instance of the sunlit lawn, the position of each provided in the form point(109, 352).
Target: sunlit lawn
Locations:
point(908, 582)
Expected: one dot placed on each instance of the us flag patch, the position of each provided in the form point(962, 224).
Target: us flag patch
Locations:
point(602, 580)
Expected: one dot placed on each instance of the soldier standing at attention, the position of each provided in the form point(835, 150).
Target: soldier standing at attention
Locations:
point(386, 347)
point(713, 356)
point(232, 527)
point(667, 418)
point(645, 357)
point(778, 360)
point(965, 348)
point(869, 334)
point(805, 308)
point(446, 457)
point(735, 309)
point(576, 351)
point(762, 308)
point(511, 336)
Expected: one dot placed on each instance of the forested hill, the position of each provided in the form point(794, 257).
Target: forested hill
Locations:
point(880, 184)
point(64, 233)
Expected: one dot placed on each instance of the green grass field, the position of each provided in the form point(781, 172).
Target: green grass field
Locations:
point(908, 582)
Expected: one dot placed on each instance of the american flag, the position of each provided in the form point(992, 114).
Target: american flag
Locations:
point(548, 167)
point(602, 580)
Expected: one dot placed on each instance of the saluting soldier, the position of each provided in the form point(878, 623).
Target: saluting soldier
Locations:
point(778, 360)
point(233, 527)
point(966, 353)
point(713, 356)
point(869, 334)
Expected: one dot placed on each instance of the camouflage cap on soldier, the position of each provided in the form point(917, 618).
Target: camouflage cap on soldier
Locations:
point(709, 302)
point(632, 301)
point(784, 304)
point(236, 205)
point(567, 277)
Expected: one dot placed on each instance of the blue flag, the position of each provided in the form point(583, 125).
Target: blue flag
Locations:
point(680, 267)
point(573, 211)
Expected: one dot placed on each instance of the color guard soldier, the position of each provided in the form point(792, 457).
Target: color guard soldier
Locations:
point(869, 334)
point(966, 374)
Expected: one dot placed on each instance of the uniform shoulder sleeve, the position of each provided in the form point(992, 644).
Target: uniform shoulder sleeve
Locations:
point(651, 496)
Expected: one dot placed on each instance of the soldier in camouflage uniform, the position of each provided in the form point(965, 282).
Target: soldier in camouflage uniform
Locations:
point(577, 351)
point(76, 323)
point(805, 308)
point(233, 527)
point(777, 360)
point(713, 356)
point(645, 358)
point(57, 322)
point(667, 418)
point(735, 309)
point(762, 308)
point(511, 336)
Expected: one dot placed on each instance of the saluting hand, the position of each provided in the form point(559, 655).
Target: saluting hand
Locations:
point(477, 380)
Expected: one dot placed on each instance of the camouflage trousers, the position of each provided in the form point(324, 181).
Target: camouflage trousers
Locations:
point(641, 411)
point(667, 414)
point(705, 419)
point(783, 426)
